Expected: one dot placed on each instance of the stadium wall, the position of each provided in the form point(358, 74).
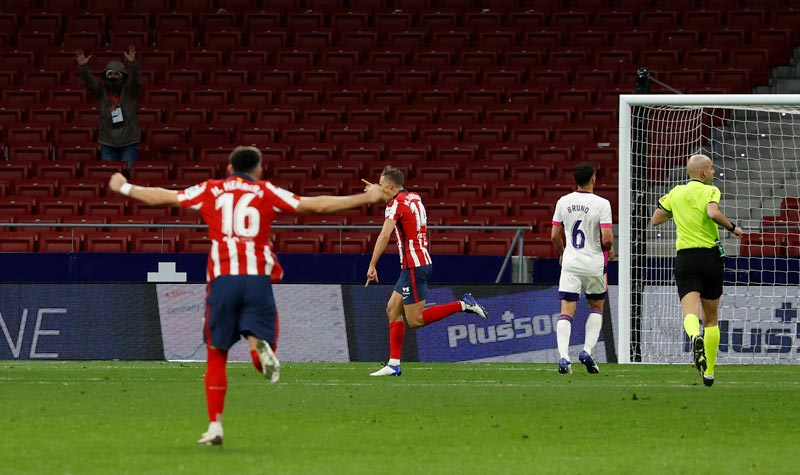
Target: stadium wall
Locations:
point(318, 322)
point(299, 268)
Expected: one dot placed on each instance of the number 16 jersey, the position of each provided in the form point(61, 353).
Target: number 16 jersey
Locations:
point(239, 214)
point(583, 214)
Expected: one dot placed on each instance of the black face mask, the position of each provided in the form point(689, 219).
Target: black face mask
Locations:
point(113, 81)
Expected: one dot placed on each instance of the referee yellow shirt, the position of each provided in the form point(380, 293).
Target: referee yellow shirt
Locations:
point(687, 204)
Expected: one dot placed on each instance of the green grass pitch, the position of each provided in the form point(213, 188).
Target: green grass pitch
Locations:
point(144, 418)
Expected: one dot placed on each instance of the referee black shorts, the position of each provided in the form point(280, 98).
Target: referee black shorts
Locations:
point(700, 270)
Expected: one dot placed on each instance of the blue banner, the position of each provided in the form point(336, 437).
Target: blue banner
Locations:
point(79, 322)
point(520, 327)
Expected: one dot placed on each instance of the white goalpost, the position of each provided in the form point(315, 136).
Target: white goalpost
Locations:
point(754, 141)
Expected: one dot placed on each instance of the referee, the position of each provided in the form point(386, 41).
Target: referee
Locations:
point(699, 266)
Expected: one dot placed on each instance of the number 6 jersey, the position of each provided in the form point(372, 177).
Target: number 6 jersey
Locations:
point(239, 214)
point(583, 214)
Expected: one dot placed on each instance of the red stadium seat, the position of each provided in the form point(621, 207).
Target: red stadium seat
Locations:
point(348, 21)
point(479, 57)
point(464, 190)
point(485, 133)
point(36, 187)
point(36, 222)
point(444, 207)
point(294, 133)
point(390, 20)
point(255, 136)
point(341, 170)
point(540, 247)
point(394, 133)
point(227, 78)
point(447, 243)
point(142, 223)
point(293, 171)
point(276, 116)
point(232, 116)
point(81, 188)
point(512, 189)
point(63, 169)
point(406, 38)
point(102, 170)
point(197, 171)
point(363, 152)
point(54, 115)
point(317, 188)
point(314, 152)
point(152, 170)
point(141, 209)
point(58, 241)
point(407, 153)
point(487, 207)
point(351, 242)
point(229, 39)
point(195, 242)
point(118, 241)
point(303, 242)
point(208, 96)
point(163, 96)
point(154, 242)
point(440, 171)
point(252, 96)
point(106, 207)
point(16, 169)
point(16, 241)
point(763, 244)
point(494, 244)
point(440, 133)
point(485, 171)
point(457, 152)
point(29, 134)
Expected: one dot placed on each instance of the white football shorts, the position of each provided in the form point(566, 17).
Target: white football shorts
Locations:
point(590, 284)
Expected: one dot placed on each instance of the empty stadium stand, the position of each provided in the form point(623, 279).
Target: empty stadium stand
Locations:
point(487, 104)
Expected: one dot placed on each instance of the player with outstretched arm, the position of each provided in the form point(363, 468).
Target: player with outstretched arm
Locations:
point(406, 218)
point(239, 211)
point(700, 262)
point(585, 220)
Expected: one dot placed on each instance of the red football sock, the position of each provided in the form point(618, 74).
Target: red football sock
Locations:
point(256, 361)
point(216, 382)
point(438, 312)
point(397, 333)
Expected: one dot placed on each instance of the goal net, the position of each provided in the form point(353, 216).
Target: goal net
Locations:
point(754, 141)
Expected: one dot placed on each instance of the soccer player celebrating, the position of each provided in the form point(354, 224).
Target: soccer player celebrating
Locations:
point(700, 263)
point(586, 218)
point(405, 215)
point(239, 211)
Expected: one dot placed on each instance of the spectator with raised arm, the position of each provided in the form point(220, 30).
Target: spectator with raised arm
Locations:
point(117, 94)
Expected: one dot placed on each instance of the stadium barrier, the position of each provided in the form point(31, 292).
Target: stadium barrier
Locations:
point(330, 323)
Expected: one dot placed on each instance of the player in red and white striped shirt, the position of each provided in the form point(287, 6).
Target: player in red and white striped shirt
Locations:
point(406, 217)
point(239, 211)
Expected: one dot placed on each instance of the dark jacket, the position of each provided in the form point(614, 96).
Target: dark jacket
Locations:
point(126, 132)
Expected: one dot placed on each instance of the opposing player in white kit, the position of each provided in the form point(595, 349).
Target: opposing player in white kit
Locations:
point(584, 219)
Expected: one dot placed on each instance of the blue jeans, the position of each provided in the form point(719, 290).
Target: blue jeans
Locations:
point(128, 153)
